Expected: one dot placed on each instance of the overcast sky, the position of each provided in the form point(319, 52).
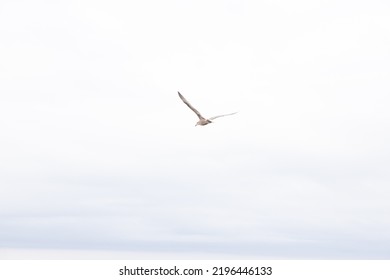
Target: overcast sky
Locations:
point(99, 158)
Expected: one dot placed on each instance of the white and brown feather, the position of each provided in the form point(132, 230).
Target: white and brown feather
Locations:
point(202, 120)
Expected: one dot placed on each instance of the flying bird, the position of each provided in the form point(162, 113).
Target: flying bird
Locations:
point(202, 120)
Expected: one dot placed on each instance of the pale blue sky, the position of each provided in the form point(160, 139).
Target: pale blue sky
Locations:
point(101, 159)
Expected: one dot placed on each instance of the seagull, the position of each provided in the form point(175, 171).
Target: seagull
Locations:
point(202, 120)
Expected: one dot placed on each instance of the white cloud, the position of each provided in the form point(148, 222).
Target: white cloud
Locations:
point(99, 154)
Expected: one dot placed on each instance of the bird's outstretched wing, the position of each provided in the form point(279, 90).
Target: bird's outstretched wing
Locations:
point(213, 118)
point(190, 106)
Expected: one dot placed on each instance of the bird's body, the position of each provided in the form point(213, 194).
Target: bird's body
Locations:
point(202, 120)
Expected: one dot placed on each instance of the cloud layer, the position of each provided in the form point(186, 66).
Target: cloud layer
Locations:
point(98, 153)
